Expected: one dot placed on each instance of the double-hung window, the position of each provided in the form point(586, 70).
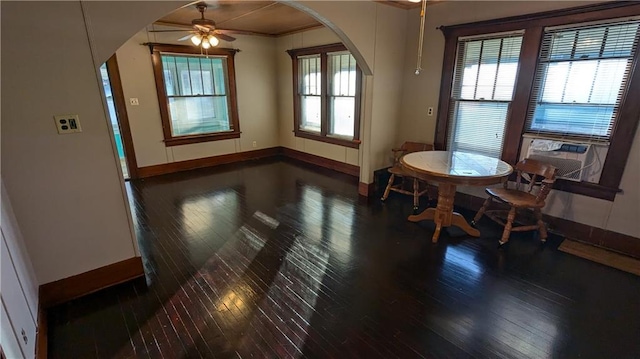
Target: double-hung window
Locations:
point(326, 94)
point(581, 78)
point(485, 74)
point(196, 94)
point(571, 75)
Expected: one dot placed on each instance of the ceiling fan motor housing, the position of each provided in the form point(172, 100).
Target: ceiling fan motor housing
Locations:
point(202, 21)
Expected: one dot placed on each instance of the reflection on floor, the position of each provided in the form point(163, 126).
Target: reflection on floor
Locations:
point(273, 259)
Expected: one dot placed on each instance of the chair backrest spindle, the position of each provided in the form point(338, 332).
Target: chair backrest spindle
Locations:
point(535, 169)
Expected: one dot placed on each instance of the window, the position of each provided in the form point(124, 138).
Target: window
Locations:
point(581, 78)
point(196, 94)
point(577, 76)
point(326, 94)
point(485, 75)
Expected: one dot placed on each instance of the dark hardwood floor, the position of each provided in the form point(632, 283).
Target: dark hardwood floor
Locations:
point(274, 259)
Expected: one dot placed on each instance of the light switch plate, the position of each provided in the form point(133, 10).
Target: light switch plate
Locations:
point(67, 124)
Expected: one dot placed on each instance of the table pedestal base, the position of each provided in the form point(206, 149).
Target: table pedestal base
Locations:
point(443, 215)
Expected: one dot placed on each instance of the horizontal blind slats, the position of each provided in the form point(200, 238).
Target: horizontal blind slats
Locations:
point(484, 79)
point(581, 78)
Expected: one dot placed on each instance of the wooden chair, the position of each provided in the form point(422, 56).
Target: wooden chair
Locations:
point(397, 171)
point(521, 198)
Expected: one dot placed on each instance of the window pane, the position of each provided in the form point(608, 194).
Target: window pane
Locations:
point(219, 75)
point(310, 106)
point(592, 120)
point(342, 73)
point(342, 115)
point(484, 80)
point(608, 80)
point(470, 70)
point(342, 89)
point(195, 74)
point(578, 84)
point(170, 75)
point(199, 115)
point(310, 75)
point(184, 80)
point(620, 40)
point(487, 68)
point(508, 69)
point(478, 127)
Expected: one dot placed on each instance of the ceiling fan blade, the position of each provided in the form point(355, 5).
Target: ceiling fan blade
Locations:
point(169, 30)
point(225, 37)
point(185, 37)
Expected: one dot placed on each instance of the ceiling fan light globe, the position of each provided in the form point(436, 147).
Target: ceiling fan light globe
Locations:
point(205, 43)
point(196, 39)
point(213, 41)
point(414, 0)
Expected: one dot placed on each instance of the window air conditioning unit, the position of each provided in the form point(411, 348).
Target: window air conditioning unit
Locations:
point(571, 159)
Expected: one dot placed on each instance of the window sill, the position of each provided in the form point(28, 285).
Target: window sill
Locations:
point(332, 140)
point(588, 189)
point(185, 140)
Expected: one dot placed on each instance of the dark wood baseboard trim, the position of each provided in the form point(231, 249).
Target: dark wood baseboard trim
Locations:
point(366, 189)
point(66, 289)
point(321, 161)
point(610, 240)
point(166, 168)
point(42, 333)
point(604, 238)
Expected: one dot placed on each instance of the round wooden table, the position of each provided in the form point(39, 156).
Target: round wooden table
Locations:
point(449, 169)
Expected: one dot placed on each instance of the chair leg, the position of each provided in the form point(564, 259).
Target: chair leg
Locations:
point(507, 227)
point(416, 191)
point(542, 229)
point(386, 190)
point(484, 207)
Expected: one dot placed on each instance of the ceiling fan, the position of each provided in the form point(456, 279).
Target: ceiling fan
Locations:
point(204, 32)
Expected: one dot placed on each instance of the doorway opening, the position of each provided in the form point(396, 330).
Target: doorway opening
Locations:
point(118, 117)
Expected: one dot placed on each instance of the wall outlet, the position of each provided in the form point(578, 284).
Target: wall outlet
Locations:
point(254, 144)
point(134, 101)
point(430, 111)
point(67, 124)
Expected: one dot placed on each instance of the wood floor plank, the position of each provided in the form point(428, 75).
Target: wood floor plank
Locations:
point(274, 258)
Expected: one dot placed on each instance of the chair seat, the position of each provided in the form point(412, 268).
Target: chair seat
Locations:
point(514, 197)
point(399, 171)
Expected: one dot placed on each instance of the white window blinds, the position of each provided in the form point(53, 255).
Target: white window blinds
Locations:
point(484, 78)
point(581, 78)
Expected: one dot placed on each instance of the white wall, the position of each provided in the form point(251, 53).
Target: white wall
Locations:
point(266, 116)
point(67, 192)
point(375, 34)
point(388, 68)
point(66, 189)
point(423, 91)
point(255, 84)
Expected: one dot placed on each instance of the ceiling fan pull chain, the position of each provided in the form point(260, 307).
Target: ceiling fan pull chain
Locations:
point(423, 13)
